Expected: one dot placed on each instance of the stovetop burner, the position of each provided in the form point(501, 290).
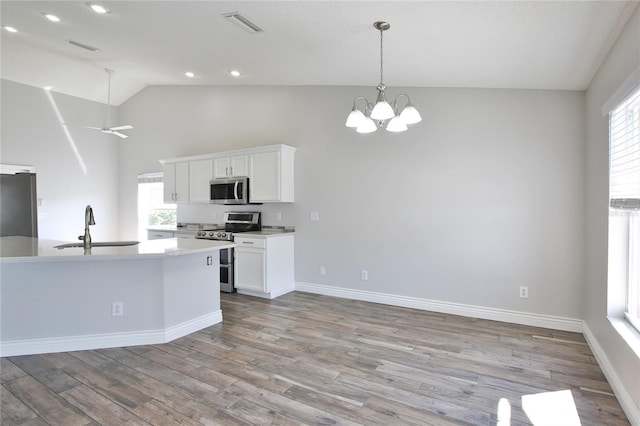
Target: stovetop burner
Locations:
point(234, 222)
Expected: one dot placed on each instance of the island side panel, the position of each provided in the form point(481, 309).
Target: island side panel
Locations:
point(73, 299)
point(191, 292)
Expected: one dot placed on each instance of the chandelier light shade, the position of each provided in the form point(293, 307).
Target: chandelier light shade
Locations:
point(373, 116)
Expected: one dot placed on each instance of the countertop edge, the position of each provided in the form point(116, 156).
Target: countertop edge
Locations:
point(264, 234)
point(77, 254)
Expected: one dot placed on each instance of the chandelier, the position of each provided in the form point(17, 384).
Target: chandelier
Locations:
point(372, 117)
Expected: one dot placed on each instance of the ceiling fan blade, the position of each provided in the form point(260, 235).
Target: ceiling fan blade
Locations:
point(122, 135)
point(94, 128)
point(125, 127)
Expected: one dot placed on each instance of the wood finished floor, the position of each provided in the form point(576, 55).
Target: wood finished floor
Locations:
point(310, 359)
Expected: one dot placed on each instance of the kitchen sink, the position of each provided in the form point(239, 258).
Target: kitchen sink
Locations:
point(99, 244)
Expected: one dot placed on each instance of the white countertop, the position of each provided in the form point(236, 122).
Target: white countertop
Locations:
point(20, 249)
point(265, 233)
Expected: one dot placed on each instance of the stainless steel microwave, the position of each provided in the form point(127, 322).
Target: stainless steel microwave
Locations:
point(230, 190)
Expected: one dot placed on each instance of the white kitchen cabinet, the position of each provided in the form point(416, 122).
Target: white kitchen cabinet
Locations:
point(157, 234)
point(264, 264)
point(230, 166)
point(270, 170)
point(176, 182)
point(271, 175)
point(250, 267)
point(200, 173)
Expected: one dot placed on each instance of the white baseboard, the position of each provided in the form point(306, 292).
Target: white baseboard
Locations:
point(191, 326)
point(625, 400)
point(271, 295)
point(107, 340)
point(524, 318)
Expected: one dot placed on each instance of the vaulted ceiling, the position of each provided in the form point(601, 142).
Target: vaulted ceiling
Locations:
point(486, 44)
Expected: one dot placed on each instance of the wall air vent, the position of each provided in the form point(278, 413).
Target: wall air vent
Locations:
point(82, 46)
point(242, 22)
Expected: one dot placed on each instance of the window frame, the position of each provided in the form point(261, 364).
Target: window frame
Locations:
point(624, 202)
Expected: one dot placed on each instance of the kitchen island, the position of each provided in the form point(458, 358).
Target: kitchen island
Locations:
point(55, 300)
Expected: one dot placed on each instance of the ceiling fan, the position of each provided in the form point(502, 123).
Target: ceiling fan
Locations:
point(114, 130)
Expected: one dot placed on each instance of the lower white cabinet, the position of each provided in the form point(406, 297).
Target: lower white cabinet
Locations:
point(264, 264)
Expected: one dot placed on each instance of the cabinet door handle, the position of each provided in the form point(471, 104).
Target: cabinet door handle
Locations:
point(247, 242)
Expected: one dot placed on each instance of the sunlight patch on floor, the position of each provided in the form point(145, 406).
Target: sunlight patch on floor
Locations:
point(543, 409)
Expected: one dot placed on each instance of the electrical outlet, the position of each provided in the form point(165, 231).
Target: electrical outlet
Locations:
point(278, 216)
point(524, 292)
point(117, 309)
point(314, 216)
point(323, 270)
point(364, 275)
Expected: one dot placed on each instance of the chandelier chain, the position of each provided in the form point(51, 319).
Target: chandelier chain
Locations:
point(381, 80)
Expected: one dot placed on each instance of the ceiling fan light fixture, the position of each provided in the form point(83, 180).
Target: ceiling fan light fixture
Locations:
point(107, 128)
point(189, 74)
point(234, 73)
point(10, 29)
point(237, 19)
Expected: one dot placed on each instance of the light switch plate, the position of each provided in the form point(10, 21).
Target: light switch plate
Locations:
point(314, 216)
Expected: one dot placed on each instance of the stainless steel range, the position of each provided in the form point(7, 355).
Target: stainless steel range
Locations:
point(234, 222)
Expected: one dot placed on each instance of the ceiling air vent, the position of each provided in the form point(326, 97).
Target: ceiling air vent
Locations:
point(82, 46)
point(242, 22)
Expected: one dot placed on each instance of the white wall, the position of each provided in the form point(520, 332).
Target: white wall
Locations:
point(31, 134)
point(619, 64)
point(483, 196)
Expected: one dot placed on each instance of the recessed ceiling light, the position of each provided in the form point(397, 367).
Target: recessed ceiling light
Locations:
point(10, 29)
point(98, 8)
point(189, 74)
point(52, 18)
point(234, 73)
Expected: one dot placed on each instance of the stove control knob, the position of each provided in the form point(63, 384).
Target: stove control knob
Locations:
point(199, 233)
point(211, 234)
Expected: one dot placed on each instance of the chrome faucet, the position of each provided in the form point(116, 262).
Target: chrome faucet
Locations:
point(88, 220)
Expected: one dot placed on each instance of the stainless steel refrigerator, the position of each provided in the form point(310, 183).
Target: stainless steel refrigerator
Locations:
point(18, 205)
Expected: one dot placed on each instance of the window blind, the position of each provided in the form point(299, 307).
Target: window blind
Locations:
point(624, 158)
point(150, 177)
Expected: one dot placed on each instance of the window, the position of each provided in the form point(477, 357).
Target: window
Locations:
point(624, 201)
point(152, 211)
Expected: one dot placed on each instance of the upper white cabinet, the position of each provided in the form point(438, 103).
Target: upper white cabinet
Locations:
point(270, 170)
point(230, 166)
point(271, 175)
point(176, 182)
point(200, 173)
